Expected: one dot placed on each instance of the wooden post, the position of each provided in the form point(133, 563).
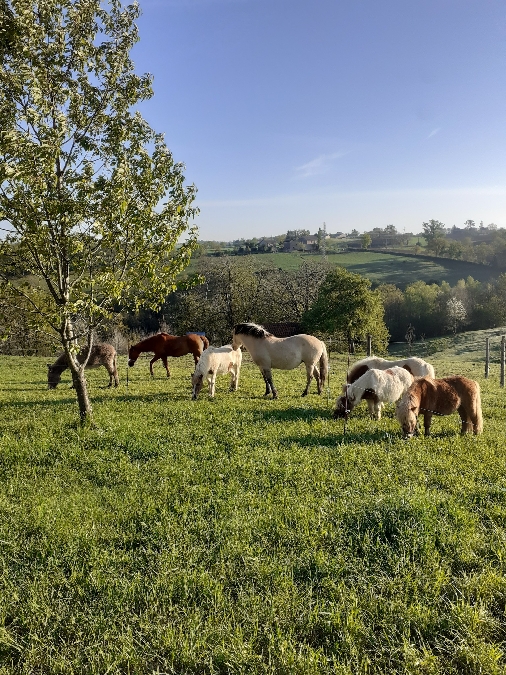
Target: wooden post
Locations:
point(487, 357)
point(503, 358)
point(369, 345)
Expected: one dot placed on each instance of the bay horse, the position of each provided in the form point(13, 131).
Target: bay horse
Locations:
point(100, 355)
point(416, 366)
point(440, 397)
point(376, 387)
point(217, 361)
point(287, 353)
point(164, 345)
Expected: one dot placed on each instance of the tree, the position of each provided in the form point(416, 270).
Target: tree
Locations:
point(348, 309)
point(470, 225)
point(93, 201)
point(433, 230)
point(365, 240)
point(456, 313)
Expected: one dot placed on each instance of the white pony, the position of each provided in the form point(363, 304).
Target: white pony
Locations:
point(268, 352)
point(417, 367)
point(217, 361)
point(376, 387)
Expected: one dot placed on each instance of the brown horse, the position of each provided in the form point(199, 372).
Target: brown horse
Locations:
point(441, 397)
point(164, 345)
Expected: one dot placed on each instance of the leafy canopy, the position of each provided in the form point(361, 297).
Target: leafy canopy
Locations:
point(347, 308)
point(91, 198)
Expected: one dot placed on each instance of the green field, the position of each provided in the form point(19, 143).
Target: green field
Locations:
point(385, 268)
point(244, 535)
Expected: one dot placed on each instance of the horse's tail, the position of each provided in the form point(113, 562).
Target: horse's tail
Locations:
point(205, 341)
point(478, 424)
point(324, 365)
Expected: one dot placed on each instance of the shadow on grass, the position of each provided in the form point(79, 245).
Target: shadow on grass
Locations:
point(293, 415)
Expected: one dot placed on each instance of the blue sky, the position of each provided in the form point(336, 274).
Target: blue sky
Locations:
point(359, 113)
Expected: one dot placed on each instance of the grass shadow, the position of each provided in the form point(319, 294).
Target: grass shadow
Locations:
point(292, 415)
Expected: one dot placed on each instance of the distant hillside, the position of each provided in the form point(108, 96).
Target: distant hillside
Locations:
point(384, 267)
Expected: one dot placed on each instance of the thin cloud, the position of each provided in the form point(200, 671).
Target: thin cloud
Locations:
point(317, 166)
point(433, 132)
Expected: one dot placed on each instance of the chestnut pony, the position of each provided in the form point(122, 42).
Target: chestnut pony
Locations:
point(164, 345)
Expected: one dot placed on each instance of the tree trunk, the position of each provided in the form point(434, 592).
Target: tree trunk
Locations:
point(78, 377)
point(81, 387)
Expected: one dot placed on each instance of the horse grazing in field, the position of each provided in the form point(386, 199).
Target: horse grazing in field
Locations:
point(100, 355)
point(377, 387)
point(164, 345)
point(440, 397)
point(217, 361)
point(417, 367)
point(287, 353)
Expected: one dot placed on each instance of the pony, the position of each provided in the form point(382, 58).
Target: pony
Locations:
point(100, 355)
point(417, 367)
point(164, 345)
point(287, 353)
point(376, 387)
point(217, 361)
point(440, 397)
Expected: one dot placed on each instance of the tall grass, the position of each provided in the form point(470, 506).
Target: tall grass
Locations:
point(243, 535)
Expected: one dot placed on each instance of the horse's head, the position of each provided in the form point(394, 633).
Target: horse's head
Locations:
point(406, 411)
point(53, 376)
point(197, 382)
point(344, 404)
point(133, 355)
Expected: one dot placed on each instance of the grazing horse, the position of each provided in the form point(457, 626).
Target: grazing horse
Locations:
point(376, 387)
point(217, 361)
point(287, 353)
point(417, 367)
point(100, 355)
point(164, 345)
point(440, 397)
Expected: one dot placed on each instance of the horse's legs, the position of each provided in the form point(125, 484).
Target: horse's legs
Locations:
point(165, 363)
point(427, 418)
point(269, 384)
point(309, 377)
point(370, 405)
point(319, 384)
point(155, 358)
point(467, 423)
point(234, 382)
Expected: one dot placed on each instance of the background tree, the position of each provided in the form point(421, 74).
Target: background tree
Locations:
point(456, 313)
point(365, 240)
point(348, 309)
point(82, 176)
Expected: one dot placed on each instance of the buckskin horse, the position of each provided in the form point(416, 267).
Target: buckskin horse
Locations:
point(287, 353)
point(164, 345)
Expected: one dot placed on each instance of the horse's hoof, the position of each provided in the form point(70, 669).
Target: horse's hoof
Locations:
point(304, 393)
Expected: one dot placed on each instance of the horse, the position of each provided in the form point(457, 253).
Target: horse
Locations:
point(417, 367)
point(376, 387)
point(287, 353)
point(440, 397)
point(100, 355)
point(164, 345)
point(217, 361)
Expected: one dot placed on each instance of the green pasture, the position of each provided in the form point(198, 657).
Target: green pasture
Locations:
point(243, 535)
point(383, 267)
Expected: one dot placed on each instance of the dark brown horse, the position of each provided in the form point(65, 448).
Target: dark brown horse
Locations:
point(164, 345)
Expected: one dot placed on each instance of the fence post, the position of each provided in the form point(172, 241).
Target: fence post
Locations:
point(487, 357)
point(369, 345)
point(503, 358)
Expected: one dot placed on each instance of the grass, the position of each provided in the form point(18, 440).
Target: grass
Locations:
point(243, 535)
point(385, 268)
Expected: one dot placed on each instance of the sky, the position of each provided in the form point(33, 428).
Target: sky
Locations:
point(356, 113)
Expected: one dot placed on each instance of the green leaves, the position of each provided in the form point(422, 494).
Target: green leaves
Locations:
point(94, 198)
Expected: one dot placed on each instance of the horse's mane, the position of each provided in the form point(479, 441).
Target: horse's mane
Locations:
point(252, 329)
